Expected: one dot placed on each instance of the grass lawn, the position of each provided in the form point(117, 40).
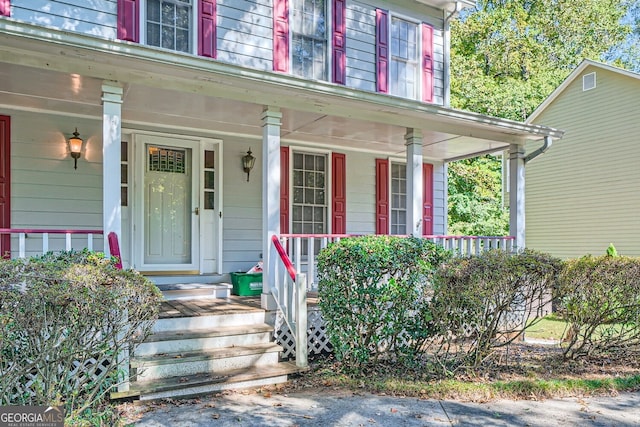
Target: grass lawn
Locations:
point(548, 328)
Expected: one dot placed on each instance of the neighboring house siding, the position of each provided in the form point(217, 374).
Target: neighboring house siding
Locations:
point(245, 31)
point(583, 194)
point(46, 191)
point(97, 17)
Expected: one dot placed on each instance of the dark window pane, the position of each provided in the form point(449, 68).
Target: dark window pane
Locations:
point(209, 180)
point(124, 196)
point(209, 200)
point(124, 151)
point(209, 159)
point(124, 174)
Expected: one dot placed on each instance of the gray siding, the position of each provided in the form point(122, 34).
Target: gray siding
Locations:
point(245, 33)
point(361, 45)
point(96, 17)
point(583, 193)
point(46, 191)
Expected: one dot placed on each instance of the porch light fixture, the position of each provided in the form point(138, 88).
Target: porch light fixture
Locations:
point(75, 146)
point(247, 163)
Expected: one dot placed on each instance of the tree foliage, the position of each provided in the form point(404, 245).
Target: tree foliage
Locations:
point(475, 198)
point(507, 56)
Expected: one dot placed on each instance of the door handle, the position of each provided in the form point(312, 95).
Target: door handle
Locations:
point(196, 211)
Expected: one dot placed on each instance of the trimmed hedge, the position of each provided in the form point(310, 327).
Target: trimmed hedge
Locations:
point(59, 315)
point(373, 293)
point(600, 298)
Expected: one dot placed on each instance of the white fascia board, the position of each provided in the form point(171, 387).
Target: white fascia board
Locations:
point(142, 64)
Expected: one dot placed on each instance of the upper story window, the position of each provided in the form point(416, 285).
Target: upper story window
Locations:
point(309, 38)
point(169, 24)
point(179, 25)
point(404, 57)
point(404, 61)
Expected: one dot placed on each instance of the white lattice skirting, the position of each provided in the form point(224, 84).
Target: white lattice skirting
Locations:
point(317, 339)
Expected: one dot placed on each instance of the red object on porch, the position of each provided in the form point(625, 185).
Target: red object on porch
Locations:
point(427, 63)
point(339, 42)
point(339, 194)
point(382, 50)
point(5, 184)
point(129, 20)
point(114, 249)
point(427, 199)
point(5, 7)
point(284, 257)
point(281, 35)
point(207, 28)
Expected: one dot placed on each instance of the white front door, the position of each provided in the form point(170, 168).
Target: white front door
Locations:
point(175, 201)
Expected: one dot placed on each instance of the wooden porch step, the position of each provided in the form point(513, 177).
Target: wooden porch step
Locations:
point(198, 384)
point(201, 339)
point(166, 365)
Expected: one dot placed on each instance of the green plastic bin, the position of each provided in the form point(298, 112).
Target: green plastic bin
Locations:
point(246, 284)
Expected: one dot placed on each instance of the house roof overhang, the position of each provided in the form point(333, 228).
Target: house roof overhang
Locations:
point(58, 71)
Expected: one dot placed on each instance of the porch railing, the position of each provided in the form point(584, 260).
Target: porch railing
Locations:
point(73, 240)
point(290, 294)
point(302, 249)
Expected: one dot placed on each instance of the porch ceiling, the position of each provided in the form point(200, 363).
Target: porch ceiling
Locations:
point(47, 72)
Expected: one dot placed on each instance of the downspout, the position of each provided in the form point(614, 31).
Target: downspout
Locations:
point(447, 49)
point(547, 144)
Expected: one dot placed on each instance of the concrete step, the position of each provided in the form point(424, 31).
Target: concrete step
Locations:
point(163, 280)
point(210, 382)
point(205, 339)
point(221, 319)
point(165, 365)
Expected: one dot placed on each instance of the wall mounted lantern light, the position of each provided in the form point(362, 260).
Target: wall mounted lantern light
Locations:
point(247, 163)
point(75, 146)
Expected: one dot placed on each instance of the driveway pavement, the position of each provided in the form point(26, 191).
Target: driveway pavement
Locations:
point(330, 407)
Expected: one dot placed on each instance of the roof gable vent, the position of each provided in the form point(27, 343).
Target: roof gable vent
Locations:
point(588, 81)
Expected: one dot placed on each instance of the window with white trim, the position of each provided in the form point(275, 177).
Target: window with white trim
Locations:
point(398, 205)
point(309, 208)
point(169, 24)
point(404, 63)
point(308, 23)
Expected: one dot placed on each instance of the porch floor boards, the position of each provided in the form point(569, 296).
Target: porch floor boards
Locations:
point(172, 309)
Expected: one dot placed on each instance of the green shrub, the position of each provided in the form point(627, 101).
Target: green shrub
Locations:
point(483, 302)
point(64, 318)
point(600, 298)
point(373, 295)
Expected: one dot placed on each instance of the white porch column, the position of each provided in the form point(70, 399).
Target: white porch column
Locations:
point(111, 137)
point(271, 122)
point(413, 141)
point(516, 195)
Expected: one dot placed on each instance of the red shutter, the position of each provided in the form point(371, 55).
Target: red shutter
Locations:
point(207, 28)
point(5, 7)
point(382, 50)
point(281, 35)
point(339, 42)
point(427, 199)
point(129, 20)
point(382, 196)
point(339, 194)
point(284, 190)
point(427, 63)
point(5, 184)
